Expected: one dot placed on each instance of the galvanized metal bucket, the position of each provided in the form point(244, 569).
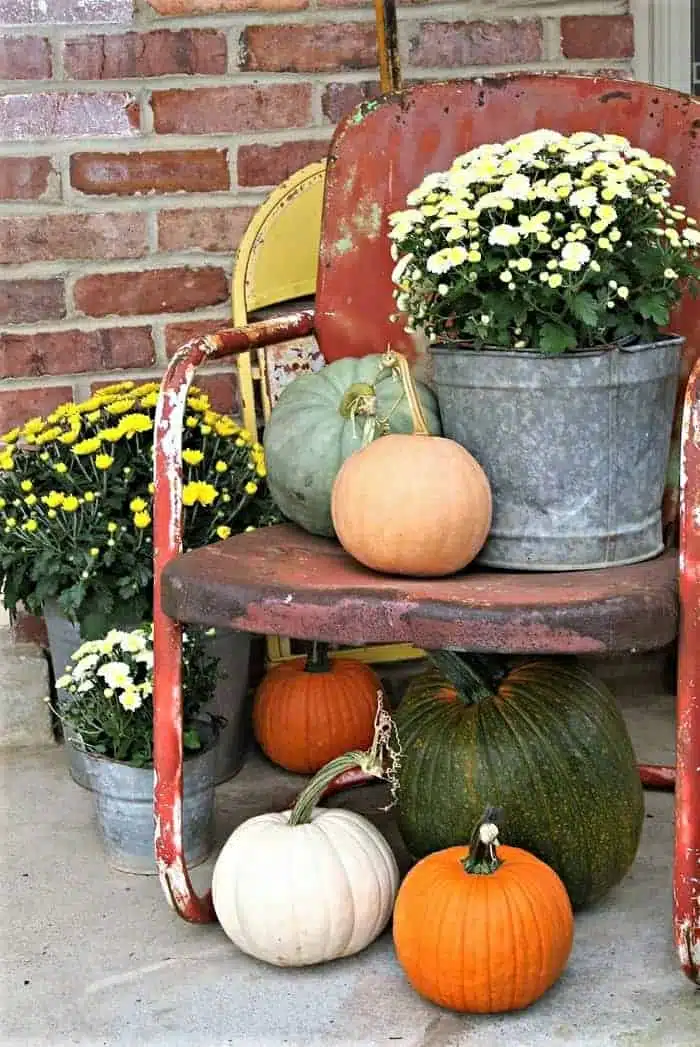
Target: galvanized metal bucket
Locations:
point(575, 447)
point(124, 808)
point(230, 700)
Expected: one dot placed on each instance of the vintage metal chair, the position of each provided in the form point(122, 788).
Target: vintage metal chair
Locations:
point(283, 581)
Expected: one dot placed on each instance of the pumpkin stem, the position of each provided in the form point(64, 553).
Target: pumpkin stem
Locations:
point(317, 660)
point(360, 401)
point(399, 364)
point(380, 761)
point(482, 859)
point(468, 683)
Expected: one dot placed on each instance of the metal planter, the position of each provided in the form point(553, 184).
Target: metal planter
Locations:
point(575, 447)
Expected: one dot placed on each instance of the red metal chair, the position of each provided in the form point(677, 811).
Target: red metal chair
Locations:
point(282, 581)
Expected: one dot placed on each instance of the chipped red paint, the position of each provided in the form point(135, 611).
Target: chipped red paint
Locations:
point(655, 776)
point(686, 878)
point(167, 633)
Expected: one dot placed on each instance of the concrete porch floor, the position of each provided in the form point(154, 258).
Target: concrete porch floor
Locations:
point(94, 957)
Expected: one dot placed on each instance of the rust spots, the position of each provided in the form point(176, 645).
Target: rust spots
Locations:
point(610, 96)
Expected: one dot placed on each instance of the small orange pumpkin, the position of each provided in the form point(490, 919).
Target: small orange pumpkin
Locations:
point(308, 711)
point(412, 504)
point(486, 932)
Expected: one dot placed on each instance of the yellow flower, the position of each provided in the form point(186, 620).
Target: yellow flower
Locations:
point(61, 467)
point(34, 425)
point(192, 457)
point(94, 551)
point(88, 446)
point(48, 435)
point(93, 416)
point(113, 434)
point(70, 436)
point(151, 487)
point(555, 280)
point(51, 514)
point(205, 429)
point(3, 503)
point(142, 520)
point(53, 499)
point(137, 505)
point(150, 400)
point(223, 531)
point(120, 406)
point(135, 423)
point(89, 496)
point(251, 487)
point(26, 485)
point(198, 403)
point(117, 387)
point(220, 467)
point(31, 499)
point(112, 527)
point(6, 461)
point(260, 469)
point(30, 525)
point(197, 491)
point(70, 503)
point(191, 422)
point(225, 427)
point(103, 461)
point(9, 438)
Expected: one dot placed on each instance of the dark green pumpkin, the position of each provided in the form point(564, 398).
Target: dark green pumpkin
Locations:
point(544, 740)
point(320, 419)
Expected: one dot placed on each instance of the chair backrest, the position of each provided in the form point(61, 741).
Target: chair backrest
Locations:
point(277, 261)
point(383, 149)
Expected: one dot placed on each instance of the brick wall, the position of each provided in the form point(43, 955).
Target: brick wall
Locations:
point(137, 138)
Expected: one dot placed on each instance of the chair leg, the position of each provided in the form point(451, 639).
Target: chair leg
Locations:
point(686, 874)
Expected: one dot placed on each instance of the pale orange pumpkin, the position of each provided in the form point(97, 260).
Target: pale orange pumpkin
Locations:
point(484, 931)
point(308, 711)
point(412, 504)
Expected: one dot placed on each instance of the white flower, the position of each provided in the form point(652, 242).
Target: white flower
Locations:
point(400, 267)
point(86, 685)
point(115, 674)
point(586, 197)
point(130, 700)
point(64, 680)
point(516, 187)
point(446, 259)
point(691, 236)
point(574, 256)
point(670, 274)
point(506, 276)
point(134, 642)
point(485, 318)
point(504, 235)
point(623, 292)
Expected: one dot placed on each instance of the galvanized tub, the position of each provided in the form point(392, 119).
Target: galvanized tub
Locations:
point(230, 701)
point(575, 447)
point(124, 809)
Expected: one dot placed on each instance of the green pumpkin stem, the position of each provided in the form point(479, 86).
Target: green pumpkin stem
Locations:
point(468, 683)
point(379, 761)
point(360, 401)
point(482, 859)
point(317, 660)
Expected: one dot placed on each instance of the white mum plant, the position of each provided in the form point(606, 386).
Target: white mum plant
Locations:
point(546, 242)
point(110, 684)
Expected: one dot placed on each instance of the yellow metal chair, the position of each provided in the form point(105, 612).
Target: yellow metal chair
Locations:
point(276, 263)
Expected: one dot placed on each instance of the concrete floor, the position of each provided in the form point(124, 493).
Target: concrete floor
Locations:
point(94, 957)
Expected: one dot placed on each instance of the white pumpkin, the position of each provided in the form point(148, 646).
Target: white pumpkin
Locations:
point(294, 895)
point(310, 884)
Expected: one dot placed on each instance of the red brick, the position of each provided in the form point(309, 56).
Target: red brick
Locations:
point(270, 164)
point(65, 12)
point(145, 54)
point(70, 352)
point(157, 291)
point(222, 390)
point(245, 107)
point(177, 334)
point(32, 238)
point(18, 405)
point(597, 36)
point(193, 170)
point(309, 48)
point(24, 58)
point(339, 99)
point(24, 177)
point(68, 115)
point(27, 301)
point(206, 7)
point(203, 228)
point(453, 44)
point(28, 628)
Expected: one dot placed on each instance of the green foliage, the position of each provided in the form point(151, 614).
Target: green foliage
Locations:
point(545, 242)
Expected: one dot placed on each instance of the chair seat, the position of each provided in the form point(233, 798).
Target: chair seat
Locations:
point(280, 580)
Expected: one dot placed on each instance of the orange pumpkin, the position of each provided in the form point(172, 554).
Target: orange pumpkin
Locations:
point(412, 504)
point(484, 932)
point(308, 711)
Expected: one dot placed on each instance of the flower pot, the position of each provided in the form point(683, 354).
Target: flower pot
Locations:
point(231, 700)
point(124, 809)
point(575, 447)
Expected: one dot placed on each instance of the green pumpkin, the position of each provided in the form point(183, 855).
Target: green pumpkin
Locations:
point(545, 741)
point(320, 419)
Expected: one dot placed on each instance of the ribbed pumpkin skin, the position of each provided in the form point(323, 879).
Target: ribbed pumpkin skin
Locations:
point(303, 720)
point(307, 439)
point(482, 944)
point(412, 505)
point(551, 748)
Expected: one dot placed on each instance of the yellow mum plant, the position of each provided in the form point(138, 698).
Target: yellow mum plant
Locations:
point(76, 498)
point(546, 242)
